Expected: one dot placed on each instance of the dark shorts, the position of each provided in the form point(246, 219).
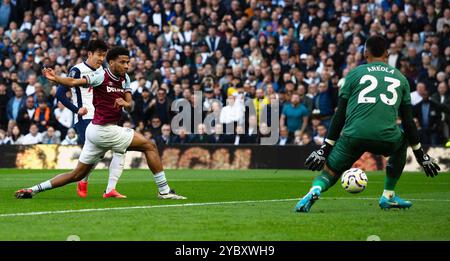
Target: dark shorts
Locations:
point(80, 127)
point(348, 150)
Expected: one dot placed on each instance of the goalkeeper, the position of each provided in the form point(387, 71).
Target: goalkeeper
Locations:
point(372, 97)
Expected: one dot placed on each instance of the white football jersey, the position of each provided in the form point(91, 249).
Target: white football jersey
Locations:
point(83, 96)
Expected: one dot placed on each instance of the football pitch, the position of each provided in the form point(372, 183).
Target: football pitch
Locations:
point(237, 205)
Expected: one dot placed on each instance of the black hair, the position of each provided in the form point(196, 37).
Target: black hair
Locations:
point(376, 45)
point(97, 45)
point(115, 52)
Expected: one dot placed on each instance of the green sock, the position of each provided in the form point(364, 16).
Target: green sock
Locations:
point(391, 179)
point(394, 168)
point(324, 181)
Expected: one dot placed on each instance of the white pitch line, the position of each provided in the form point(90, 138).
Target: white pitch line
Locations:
point(143, 207)
point(189, 205)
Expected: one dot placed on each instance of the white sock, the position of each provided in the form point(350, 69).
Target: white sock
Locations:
point(46, 185)
point(389, 193)
point(115, 170)
point(85, 179)
point(161, 182)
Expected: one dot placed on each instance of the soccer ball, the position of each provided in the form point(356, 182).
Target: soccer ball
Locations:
point(354, 180)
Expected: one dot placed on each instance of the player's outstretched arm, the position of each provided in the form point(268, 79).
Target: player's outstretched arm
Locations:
point(316, 159)
point(66, 81)
point(428, 164)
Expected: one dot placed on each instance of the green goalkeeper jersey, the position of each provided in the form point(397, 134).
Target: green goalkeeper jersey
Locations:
point(374, 92)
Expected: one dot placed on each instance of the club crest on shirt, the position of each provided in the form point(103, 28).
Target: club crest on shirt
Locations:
point(72, 74)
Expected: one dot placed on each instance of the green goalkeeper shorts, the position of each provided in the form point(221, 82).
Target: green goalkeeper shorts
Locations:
point(348, 150)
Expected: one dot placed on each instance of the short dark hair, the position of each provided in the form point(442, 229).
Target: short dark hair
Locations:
point(97, 45)
point(115, 52)
point(376, 45)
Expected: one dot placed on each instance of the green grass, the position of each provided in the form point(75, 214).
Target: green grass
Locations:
point(337, 216)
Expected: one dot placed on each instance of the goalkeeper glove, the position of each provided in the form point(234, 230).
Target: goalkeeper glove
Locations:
point(428, 164)
point(317, 158)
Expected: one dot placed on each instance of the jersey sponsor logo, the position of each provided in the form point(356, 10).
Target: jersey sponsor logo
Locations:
point(380, 68)
point(112, 89)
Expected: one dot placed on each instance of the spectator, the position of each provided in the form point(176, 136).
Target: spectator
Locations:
point(321, 134)
point(442, 101)
point(213, 41)
point(33, 137)
point(155, 126)
point(26, 114)
point(31, 87)
point(51, 136)
point(148, 135)
point(306, 140)
point(284, 137)
point(295, 115)
point(260, 102)
point(416, 96)
point(239, 136)
point(142, 103)
point(2, 136)
point(208, 99)
point(182, 137)
point(428, 117)
point(71, 137)
point(9, 13)
point(394, 56)
point(42, 116)
point(14, 137)
point(165, 138)
point(160, 107)
point(201, 136)
point(445, 19)
point(15, 103)
point(233, 112)
point(323, 105)
point(4, 97)
point(64, 119)
point(219, 137)
point(252, 133)
point(297, 138)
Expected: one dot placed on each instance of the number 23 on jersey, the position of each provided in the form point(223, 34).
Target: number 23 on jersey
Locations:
point(364, 96)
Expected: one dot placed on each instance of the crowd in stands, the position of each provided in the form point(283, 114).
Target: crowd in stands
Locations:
point(236, 52)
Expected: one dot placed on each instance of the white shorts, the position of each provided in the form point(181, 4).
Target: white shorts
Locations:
point(101, 138)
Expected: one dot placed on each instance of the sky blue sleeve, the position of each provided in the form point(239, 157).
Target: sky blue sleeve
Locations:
point(96, 78)
point(127, 83)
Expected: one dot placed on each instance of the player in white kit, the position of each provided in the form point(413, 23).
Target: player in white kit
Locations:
point(83, 108)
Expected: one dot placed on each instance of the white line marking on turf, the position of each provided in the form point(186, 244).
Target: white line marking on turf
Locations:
point(143, 207)
point(189, 205)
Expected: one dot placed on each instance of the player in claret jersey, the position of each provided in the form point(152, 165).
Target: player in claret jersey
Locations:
point(111, 93)
point(83, 107)
point(371, 99)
